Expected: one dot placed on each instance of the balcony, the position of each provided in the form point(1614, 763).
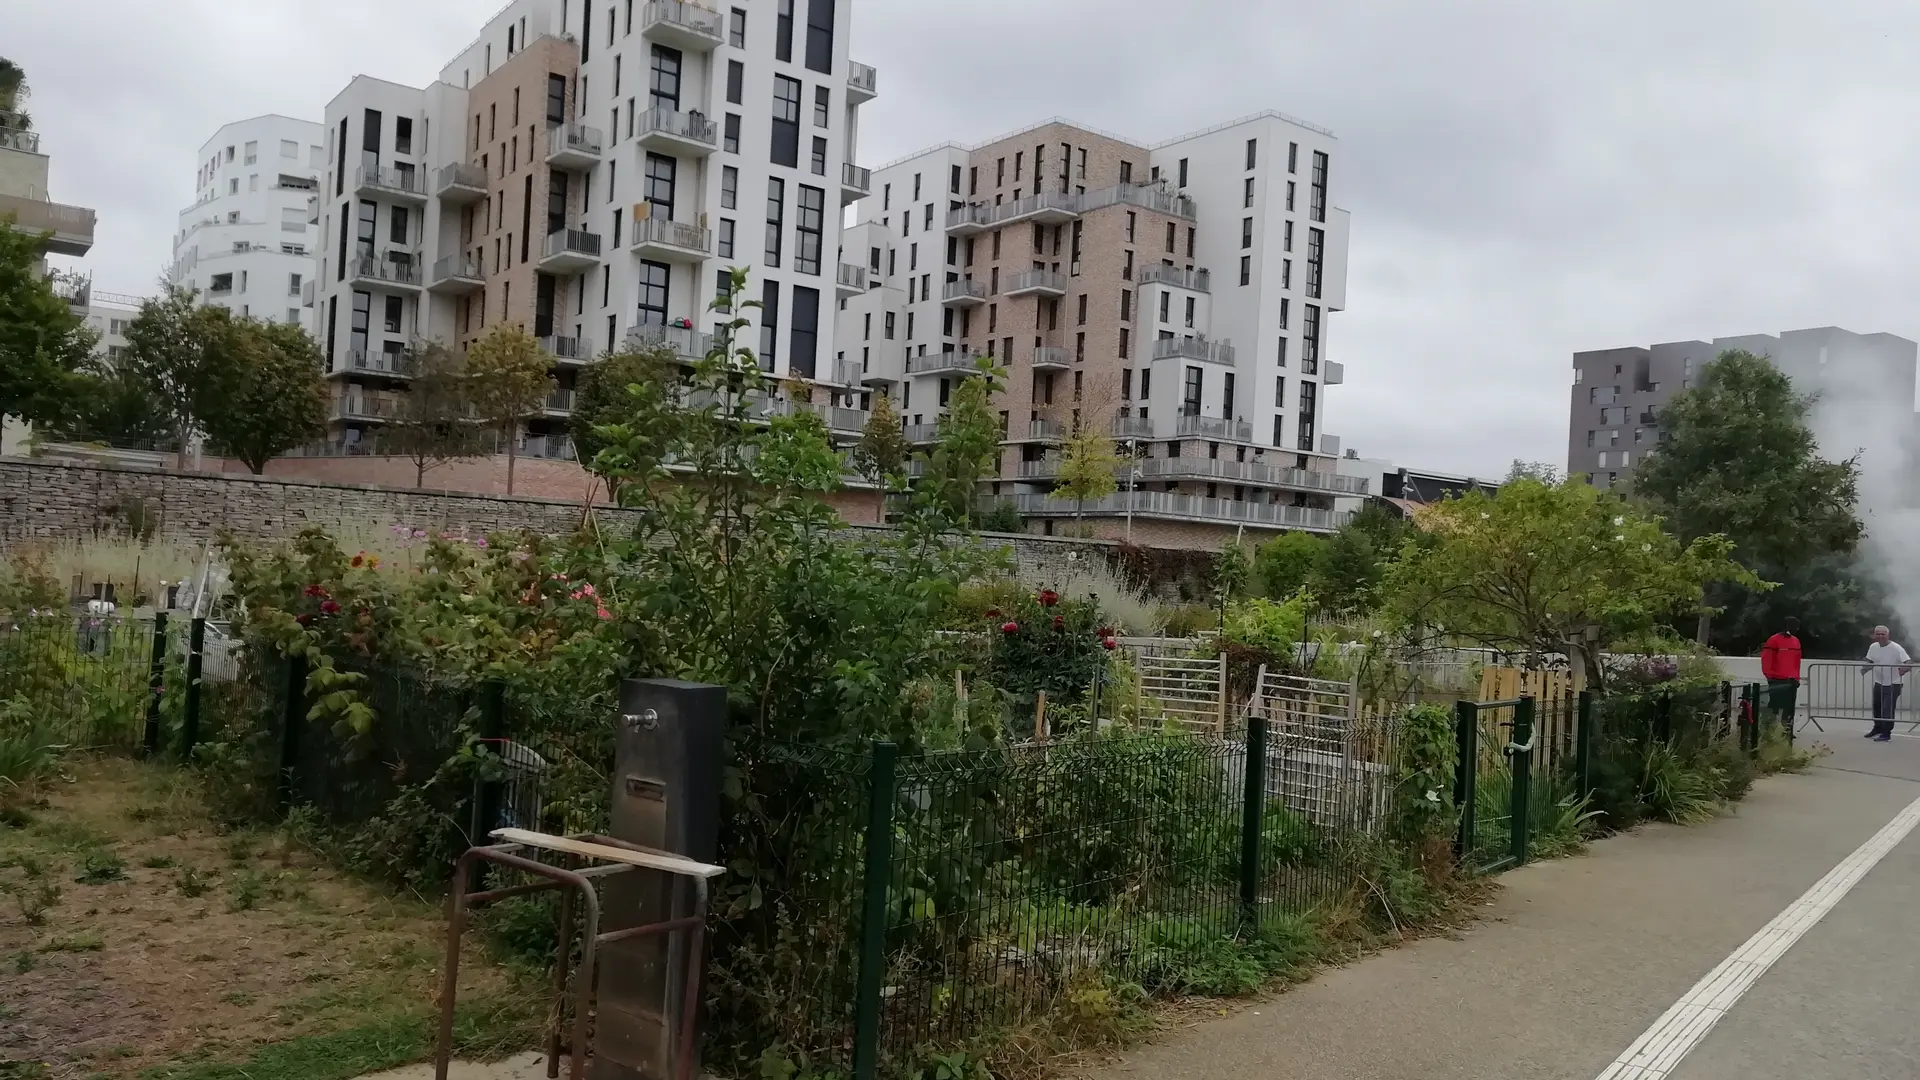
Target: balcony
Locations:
point(460, 184)
point(856, 183)
point(1049, 358)
point(658, 238)
point(851, 280)
point(1214, 427)
point(573, 146)
point(366, 407)
point(71, 226)
point(1193, 348)
point(371, 272)
point(969, 219)
point(1333, 373)
point(1255, 473)
point(1046, 208)
point(392, 365)
point(570, 251)
point(456, 275)
point(551, 447)
point(74, 288)
point(1046, 429)
point(566, 351)
point(313, 209)
point(963, 293)
point(863, 83)
point(1178, 277)
point(1132, 427)
point(1160, 198)
point(1172, 505)
point(559, 403)
point(404, 185)
point(15, 137)
point(1044, 468)
point(944, 363)
point(308, 290)
point(921, 433)
point(688, 134)
point(839, 420)
point(683, 26)
point(843, 373)
point(1037, 283)
point(686, 343)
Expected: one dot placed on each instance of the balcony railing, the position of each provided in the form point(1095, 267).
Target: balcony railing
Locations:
point(551, 447)
point(846, 373)
point(574, 139)
point(1036, 281)
point(935, 363)
point(852, 276)
point(572, 241)
point(964, 289)
point(684, 18)
point(308, 290)
point(921, 433)
point(1132, 427)
point(560, 401)
point(1167, 504)
point(365, 361)
point(1186, 348)
point(447, 267)
point(462, 175)
point(674, 234)
point(1251, 472)
point(1146, 196)
point(403, 181)
point(690, 126)
point(1046, 203)
point(686, 342)
point(1178, 276)
point(561, 348)
point(863, 77)
point(366, 408)
point(373, 268)
point(1048, 356)
point(1046, 429)
point(1214, 427)
point(71, 226)
point(15, 137)
point(1040, 469)
point(855, 177)
point(973, 215)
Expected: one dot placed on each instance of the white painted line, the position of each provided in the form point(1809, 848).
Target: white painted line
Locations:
point(1658, 1051)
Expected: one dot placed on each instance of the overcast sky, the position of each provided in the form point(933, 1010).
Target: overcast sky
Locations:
point(1527, 177)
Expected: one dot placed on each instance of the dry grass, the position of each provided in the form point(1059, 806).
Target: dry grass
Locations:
point(172, 944)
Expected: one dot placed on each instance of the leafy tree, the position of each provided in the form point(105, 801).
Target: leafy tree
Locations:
point(436, 422)
point(44, 347)
point(602, 396)
point(1533, 470)
point(1087, 465)
point(1354, 561)
point(883, 449)
point(118, 410)
point(13, 91)
point(186, 355)
point(966, 448)
point(1742, 462)
point(507, 380)
point(274, 398)
point(1288, 563)
point(1543, 569)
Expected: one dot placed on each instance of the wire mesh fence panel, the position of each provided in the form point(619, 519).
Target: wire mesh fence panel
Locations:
point(1849, 692)
point(1186, 690)
point(1320, 760)
point(1489, 845)
point(87, 678)
point(350, 773)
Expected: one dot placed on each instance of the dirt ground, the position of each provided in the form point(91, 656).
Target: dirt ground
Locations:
point(133, 933)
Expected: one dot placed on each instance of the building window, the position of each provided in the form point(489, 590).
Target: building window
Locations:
point(1247, 198)
point(1126, 269)
point(1286, 273)
point(1246, 233)
point(729, 186)
point(886, 330)
point(808, 229)
point(396, 309)
point(736, 82)
point(953, 181)
point(1316, 241)
point(362, 322)
point(1293, 157)
point(1125, 339)
point(1284, 305)
point(1246, 269)
point(397, 225)
point(1183, 173)
point(1126, 304)
point(1279, 393)
point(786, 120)
point(783, 32)
point(769, 323)
point(1253, 146)
point(819, 160)
point(662, 171)
point(737, 29)
point(1310, 341)
point(1286, 236)
point(365, 241)
point(822, 98)
point(655, 280)
point(731, 143)
point(1308, 400)
point(1317, 191)
point(804, 338)
point(1191, 305)
point(726, 238)
point(776, 216)
point(1191, 391)
point(1166, 306)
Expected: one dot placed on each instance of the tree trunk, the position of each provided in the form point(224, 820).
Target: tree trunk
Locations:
point(512, 454)
point(1079, 517)
point(419, 473)
point(180, 455)
point(1703, 631)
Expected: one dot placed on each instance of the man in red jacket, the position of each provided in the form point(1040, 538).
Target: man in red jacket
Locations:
point(1780, 666)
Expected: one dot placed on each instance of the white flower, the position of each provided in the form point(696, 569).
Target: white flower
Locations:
point(1646, 547)
point(1620, 537)
point(1484, 516)
point(1620, 520)
point(1433, 796)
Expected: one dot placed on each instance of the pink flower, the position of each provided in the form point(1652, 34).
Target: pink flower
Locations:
point(331, 607)
point(1059, 622)
point(604, 614)
point(419, 534)
point(1048, 598)
point(480, 543)
point(1109, 643)
point(303, 619)
point(1009, 627)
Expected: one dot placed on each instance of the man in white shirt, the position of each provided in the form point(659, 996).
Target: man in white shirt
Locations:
point(1887, 664)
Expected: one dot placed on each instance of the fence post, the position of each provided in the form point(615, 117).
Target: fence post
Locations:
point(1583, 747)
point(1220, 721)
point(1520, 763)
point(1727, 713)
point(1750, 694)
point(487, 791)
point(190, 722)
point(1466, 730)
point(1252, 821)
point(156, 685)
point(293, 717)
point(873, 911)
point(1663, 717)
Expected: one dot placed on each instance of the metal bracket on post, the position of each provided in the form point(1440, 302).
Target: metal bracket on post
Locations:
point(873, 912)
point(1520, 763)
point(1253, 821)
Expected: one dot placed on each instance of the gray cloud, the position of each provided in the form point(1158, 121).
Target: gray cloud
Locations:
point(1526, 179)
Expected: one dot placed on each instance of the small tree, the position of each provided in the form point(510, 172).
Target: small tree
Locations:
point(44, 346)
point(605, 392)
point(883, 448)
point(966, 447)
point(1288, 563)
point(1088, 462)
point(436, 422)
point(186, 355)
point(273, 397)
point(507, 379)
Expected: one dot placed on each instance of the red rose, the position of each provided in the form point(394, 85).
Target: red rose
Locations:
point(1105, 631)
point(1009, 627)
point(303, 619)
point(1048, 598)
point(1109, 643)
point(993, 613)
point(357, 560)
point(315, 590)
point(1059, 622)
point(331, 607)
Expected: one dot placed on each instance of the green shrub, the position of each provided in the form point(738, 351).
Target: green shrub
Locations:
point(100, 867)
point(30, 745)
point(1676, 791)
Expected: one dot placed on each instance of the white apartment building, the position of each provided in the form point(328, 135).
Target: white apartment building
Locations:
point(1179, 295)
point(109, 314)
point(591, 169)
point(247, 243)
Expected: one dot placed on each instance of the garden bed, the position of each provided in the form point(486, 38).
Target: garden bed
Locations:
point(136, 935)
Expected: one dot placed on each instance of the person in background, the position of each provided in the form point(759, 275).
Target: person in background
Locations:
point(1887, 663)
point(1780, 666)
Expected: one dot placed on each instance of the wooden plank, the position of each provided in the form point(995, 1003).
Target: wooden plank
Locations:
point(672, 864)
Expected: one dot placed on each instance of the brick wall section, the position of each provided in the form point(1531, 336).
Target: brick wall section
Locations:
point(53, 501)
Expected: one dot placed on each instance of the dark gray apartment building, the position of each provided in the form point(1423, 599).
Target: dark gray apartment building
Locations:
point(1618, 394)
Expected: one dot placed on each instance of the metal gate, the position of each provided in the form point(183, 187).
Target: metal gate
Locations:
point(1842, 691)
point(1323, 760)
point(1187, 690)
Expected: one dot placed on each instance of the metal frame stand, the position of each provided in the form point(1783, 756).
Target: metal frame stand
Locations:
point(622, 856)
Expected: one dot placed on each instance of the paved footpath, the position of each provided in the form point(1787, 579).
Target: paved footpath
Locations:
point(1579, 958)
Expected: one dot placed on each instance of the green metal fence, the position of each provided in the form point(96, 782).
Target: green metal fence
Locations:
point(97, 681)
